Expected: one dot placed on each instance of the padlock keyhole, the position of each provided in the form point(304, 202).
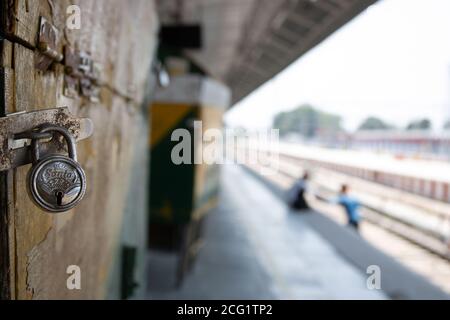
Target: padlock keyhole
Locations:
point(59, 197)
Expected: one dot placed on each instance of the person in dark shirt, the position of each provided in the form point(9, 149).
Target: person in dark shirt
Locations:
point(298, 201)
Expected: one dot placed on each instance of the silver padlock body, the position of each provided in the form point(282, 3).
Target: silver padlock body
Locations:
point(57, 183)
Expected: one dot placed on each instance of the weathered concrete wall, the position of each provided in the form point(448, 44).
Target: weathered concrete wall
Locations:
point(121, 37)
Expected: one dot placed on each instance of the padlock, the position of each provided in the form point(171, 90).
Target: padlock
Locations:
point(56, 182)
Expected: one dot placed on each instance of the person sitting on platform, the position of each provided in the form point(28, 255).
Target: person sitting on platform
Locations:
point(297, 199)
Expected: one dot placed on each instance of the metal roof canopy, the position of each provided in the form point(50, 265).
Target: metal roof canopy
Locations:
point(247, 42)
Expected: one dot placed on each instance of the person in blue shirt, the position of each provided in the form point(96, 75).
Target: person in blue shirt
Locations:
point(351, 206)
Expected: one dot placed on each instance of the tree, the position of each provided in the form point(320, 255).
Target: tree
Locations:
point(307, 121)
point(422, 124)
point(373, 123)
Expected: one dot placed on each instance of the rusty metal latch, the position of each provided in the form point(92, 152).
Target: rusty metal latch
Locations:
point(16, 132)
point(47, 45)
point(82, 74)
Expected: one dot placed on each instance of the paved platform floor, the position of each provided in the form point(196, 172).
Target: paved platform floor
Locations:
point(255, 248)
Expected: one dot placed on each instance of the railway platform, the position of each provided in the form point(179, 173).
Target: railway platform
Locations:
point(254, 247)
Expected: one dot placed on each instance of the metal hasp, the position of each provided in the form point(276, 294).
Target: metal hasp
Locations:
point(47, 45)
point(16, 130)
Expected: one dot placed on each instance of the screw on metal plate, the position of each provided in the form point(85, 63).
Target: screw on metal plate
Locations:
point(47, 45)
point(81, 74)
point(19, 129)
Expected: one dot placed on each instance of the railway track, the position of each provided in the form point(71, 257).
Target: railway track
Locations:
point(422, 225)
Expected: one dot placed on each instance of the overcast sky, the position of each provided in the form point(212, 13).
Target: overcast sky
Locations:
point(391, 61)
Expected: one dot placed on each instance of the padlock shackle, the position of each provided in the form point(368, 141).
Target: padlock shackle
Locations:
point(71, 149)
